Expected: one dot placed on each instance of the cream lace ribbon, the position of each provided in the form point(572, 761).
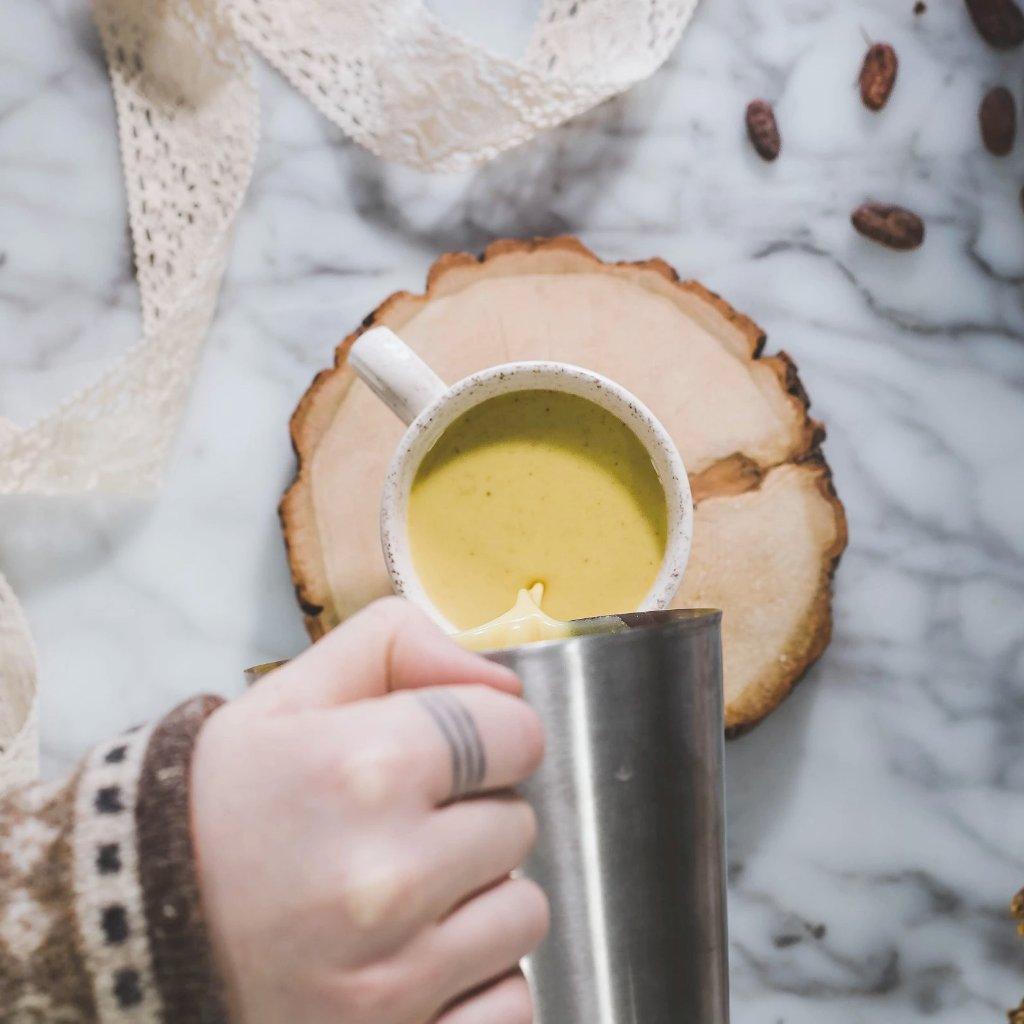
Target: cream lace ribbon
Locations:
point(391, 75)
point(19, 747)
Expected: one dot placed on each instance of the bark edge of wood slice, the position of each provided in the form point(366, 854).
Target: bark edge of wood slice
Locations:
point(769, 527)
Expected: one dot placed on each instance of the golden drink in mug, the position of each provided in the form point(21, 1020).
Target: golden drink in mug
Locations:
point(536, 487)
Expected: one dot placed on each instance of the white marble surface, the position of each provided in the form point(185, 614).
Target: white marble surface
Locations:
point(876, 820)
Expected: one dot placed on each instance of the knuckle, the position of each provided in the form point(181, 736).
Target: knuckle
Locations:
point(377, 892)
point(372, 774)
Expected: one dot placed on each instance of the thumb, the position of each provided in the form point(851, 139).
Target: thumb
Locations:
point(389, 645)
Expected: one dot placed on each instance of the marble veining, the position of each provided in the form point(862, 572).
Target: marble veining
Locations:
point(876, 820)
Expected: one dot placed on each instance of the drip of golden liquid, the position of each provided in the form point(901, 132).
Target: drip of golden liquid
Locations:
point(526, 623)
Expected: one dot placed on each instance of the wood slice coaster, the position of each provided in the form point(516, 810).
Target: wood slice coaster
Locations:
point(769, 528)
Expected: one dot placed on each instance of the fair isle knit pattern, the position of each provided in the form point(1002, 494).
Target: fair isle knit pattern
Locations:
point(42, 978)
point(108, 898)
point(100, 917)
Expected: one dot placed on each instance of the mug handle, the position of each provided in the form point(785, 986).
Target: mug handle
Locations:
point(394, 373)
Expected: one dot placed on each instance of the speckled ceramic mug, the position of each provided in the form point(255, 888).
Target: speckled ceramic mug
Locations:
point(422, 400)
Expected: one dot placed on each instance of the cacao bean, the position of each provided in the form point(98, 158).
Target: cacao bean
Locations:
point(891, 226)
point(878, 75)
point(997, 117)
point(763, 129)
point(1000, 22)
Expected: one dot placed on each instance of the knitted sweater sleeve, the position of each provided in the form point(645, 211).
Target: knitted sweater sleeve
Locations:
point(100, 917)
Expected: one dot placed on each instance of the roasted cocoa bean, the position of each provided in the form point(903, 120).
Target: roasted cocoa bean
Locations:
point(763, 129)
point(891, 226)
point(1000, 22)
point(878, 75)
point(997, 117)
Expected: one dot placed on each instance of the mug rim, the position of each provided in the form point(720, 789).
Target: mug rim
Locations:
point(534, 375)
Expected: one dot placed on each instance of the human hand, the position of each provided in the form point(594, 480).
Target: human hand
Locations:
point(341, 880)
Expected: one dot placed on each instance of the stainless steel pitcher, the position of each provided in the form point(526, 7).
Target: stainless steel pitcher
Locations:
point(630, 805)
